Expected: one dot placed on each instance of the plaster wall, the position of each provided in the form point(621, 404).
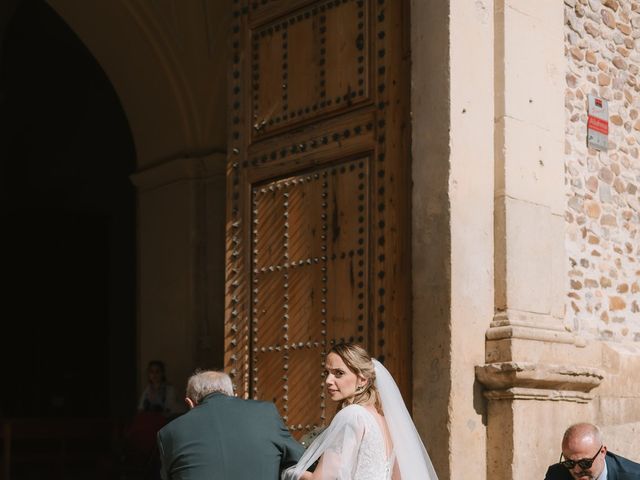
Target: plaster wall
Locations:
point(452, 148)
point(431, 249)
point(166, 287)
point(180, 255)
point(471, 191)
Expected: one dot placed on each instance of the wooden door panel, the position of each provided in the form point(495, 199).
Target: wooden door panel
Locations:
point(269, 227)
point(268, 314)
point(346, 208)
point(347, 49)
point(305, 215)
point(302, 78)
point(346, 301)
point(268, 92)
point(309, 63)
point(318, 245)
point(269, 377)
point(306, 386)
point(305, 295)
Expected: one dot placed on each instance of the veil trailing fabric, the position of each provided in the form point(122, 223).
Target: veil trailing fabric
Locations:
point(339, 443)
point(412, 458)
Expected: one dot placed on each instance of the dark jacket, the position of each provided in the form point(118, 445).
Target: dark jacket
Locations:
point(618, 468)
point(227, 438)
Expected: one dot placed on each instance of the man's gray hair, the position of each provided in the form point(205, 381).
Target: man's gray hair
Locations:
point(206, 382)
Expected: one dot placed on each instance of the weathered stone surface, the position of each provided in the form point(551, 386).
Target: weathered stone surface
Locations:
point(617, 303)
point(590, 283)
point(623, 51)
point(620, 63)
point(592, 209)
point(608, 19)
point(605, 175)
point(603, 79)
point(624, 28)
point(577, 53)
point(603, 201)
point(592, 29)
point(576, 203)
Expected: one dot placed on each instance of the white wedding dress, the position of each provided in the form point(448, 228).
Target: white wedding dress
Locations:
point(371, 462)
point(352, 448)
point(353, 445)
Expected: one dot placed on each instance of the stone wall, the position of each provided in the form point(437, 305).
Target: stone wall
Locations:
point(603, 188)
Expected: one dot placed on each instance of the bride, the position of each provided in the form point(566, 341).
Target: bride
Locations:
point(372, 437)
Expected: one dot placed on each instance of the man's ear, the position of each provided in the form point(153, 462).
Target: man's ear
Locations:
point(190, 403)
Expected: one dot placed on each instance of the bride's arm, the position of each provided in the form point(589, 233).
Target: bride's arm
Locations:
point(338, 448)
point(315, 475)
point(396, 472)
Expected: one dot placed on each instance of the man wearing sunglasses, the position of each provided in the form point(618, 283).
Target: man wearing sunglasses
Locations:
point(585, 457)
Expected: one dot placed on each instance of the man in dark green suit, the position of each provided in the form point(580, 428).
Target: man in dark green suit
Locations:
point(224, 437)
point(585, 457)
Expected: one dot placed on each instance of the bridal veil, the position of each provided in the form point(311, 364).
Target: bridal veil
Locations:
point(340, 442)
point(412, 458)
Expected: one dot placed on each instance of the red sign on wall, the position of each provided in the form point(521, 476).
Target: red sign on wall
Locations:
point(598, 123)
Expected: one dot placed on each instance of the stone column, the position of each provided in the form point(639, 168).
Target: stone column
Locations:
point(181, 264)
point(452, 231)
point(535, 374)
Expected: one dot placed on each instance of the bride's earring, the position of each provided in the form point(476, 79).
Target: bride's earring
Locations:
point(359, 388)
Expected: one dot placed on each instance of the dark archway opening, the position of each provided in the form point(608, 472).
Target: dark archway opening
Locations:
point(67, 209)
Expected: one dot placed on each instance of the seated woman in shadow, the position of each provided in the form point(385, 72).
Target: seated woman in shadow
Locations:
point(158, 396)
point(156, 407)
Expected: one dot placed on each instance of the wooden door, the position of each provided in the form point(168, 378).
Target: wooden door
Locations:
point(318, 240)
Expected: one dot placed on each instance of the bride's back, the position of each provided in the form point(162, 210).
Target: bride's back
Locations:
point(375, 456)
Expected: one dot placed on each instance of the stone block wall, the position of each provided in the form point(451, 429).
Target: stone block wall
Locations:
point(602, 42)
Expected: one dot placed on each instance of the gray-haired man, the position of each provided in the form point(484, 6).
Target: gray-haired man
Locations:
point(224, 437)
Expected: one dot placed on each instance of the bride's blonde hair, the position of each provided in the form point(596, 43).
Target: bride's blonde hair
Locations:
point(359, 362)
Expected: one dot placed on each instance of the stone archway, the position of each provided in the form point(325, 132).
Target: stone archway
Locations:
point(67, 212)
point(168, 66)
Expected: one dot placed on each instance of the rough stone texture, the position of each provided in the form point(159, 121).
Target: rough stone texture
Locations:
point(603, 195)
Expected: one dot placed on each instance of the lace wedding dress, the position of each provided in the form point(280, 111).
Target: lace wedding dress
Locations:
point(372, 462)
point(352, 448)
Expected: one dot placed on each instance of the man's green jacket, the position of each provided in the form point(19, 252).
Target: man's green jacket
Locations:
point(227, 438)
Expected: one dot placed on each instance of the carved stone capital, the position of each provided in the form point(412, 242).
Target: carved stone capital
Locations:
point(531, 326)
point(538, 394)
point(528, 380)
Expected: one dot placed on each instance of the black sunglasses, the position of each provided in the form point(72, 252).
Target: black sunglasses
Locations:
point(583, 463)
